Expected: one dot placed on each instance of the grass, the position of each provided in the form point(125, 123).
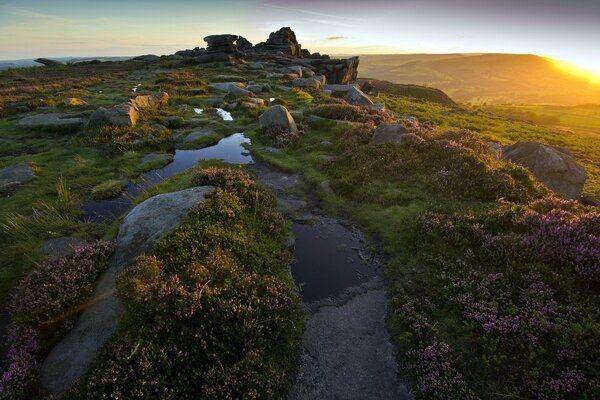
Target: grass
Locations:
point(108, 189)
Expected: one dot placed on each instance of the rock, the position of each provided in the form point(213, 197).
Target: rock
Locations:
point(338, 90)
point(278, 117)
point(297, 115)
point(338, 71)
point(213, 58)
point(47, 62)
point(221, 43)
point(255, 100)
point(74, 102)
point(191, 53)
point(326, 143)
point(238, 92)
point(226, 86)
point(307, 72)
point(306, 83)
point(294, 69)
point(61, 246)
point(389, 133)
point(326, 187)
point(274, 75)
point(243, 43)
point(155, 159)
point(197, 134)
point(147, 58)
point(284, 40)
point(553, 167)
point(379, 107)
point(356, 97)
point(158, 128)
point(50, 120)
point(15, 175)
point(496, 149)
point(141, 228)
point(258, 89)
point(127, 114)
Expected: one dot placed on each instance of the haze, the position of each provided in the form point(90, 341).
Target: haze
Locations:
point(559, 29)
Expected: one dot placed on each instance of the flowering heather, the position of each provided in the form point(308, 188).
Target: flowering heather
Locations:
point(47, 301)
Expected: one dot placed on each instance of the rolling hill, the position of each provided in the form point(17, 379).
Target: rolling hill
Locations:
point(484, 78)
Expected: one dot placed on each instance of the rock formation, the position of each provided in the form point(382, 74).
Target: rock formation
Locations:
point(221, 43)
point(284, 40)
point(243, 44)
point(278, 117)
point(553, 167)
point(127, 114)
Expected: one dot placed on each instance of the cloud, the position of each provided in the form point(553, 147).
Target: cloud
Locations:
point(316, 14)
point(336, 37)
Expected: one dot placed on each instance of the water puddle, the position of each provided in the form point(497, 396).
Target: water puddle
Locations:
point(135, 88)
point(198, 110)
point(328, 260)
point(226, 115)
point(228, 149)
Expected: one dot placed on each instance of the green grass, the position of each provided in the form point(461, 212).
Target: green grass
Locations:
point(108, 189)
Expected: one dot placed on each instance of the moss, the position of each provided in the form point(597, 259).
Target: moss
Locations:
point(108, 189)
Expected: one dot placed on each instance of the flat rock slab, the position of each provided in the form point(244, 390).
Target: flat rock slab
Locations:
point(197, 134)
point(50, 120)
point(15, 175)
point(143, 226)
point(347, 353)
point(152, 158)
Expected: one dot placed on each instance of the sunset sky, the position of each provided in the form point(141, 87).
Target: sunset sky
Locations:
point(566, 30)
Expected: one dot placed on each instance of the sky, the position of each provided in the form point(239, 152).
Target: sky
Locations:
point(567, 30)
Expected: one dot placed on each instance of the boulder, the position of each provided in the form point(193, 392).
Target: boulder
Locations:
point(127, 114)
point(62, 246)
point(338, 90)
point(256, 66)
point(197, 134)
point(221, 43)
point(554, 167)
point(337, 71)
point(274, 75)
point(257, 89)
point(294, 69)
point(367, 87)
point(154, 100)
point(141, 228)
point(147, 58)
point(225, 86)
point(243, 44)
point(357, 97)
point(238, 92)
point(389, 133)
point(306, 83)
point(278, 117)
point(15, 175)
point(50, 120)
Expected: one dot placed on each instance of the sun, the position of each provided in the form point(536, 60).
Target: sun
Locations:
point(577, 70)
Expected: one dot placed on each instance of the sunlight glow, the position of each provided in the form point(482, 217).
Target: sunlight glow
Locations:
point(576, 70)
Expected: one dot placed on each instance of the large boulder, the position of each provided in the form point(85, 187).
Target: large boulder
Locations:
point(142, 227)
point(389, 133)
point(243, 44)
point(357, 97)
point(307, 83)
point(51, 120)
point(221, 43)
point(337, 71)
point(225, 86)
point(554, 167)
point(278, 117)
point(154, 100)
point(15, 175)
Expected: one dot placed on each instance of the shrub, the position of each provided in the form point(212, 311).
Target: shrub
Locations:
point(212, 313)
point(45, 304)
point(347, 112)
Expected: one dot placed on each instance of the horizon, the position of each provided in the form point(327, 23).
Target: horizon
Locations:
point(66, 28)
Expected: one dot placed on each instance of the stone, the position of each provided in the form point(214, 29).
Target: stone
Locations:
point(338, 90)
point(389, 133)
point(337, 71)
point(158, 127)
point(197, 134)
point(226, 86)
point(379, 107)
point(14, 176)
point(258, 89)
point(367, 87)
point(553, 167)
point(141, 228)
point(274, 75)
point(284, 41)
point(256, 66)
point(154, 100)
point(52, 120)
point(356, 97)
point(238, 92)
point(307, 72)
point(127, 114)
point(496, 149)
point(278, 117)
point(306, 83)
point(221, 43)
point(74, 102)
point(61, 247)
point(294, 69)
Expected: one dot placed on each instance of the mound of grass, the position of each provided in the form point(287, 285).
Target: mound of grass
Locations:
point(108, 189)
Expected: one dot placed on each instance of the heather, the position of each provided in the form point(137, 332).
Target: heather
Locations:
point(212, 313)
point(44, 307)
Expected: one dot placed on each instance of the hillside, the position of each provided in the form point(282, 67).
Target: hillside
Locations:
point(415, 91)
point(484, 78)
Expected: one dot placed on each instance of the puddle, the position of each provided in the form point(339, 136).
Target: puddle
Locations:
point(228, 149)
point(226, 115)
point(271, 99)
point(328, 260)
point(198, 110)
point(135, 88)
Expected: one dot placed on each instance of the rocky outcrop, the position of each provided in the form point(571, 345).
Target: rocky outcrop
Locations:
point(14, 176)
point(147, 58)
point(221, 43)
point(337, 71)
point(143, 226)
point(356, 97)
point(243, 44)
point(554, 167)
point(278, 117)
point(127, 114)
point(284, 41)
point(51, 120)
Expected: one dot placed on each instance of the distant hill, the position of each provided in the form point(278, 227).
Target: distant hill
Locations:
point(28, 62)
point(484, 78)
point(432, 95)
